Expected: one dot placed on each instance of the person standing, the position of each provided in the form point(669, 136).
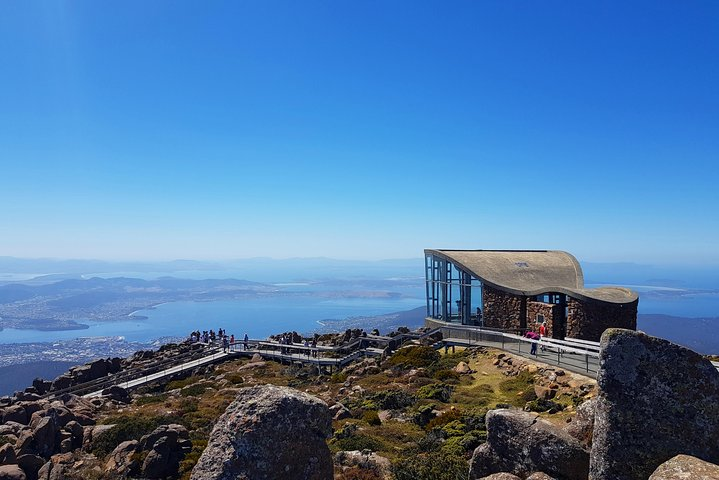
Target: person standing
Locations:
point(533, 337)
point(542, 333)
point(245, 341)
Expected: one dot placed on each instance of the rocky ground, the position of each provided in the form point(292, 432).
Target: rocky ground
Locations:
point(419, 414)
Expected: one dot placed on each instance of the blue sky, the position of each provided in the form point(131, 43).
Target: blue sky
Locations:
point(361, 130)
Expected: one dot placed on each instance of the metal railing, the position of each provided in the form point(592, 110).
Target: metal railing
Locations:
point(574, 357)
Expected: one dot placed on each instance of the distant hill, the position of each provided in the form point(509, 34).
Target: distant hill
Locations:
point(15, 377)
point(698, 334)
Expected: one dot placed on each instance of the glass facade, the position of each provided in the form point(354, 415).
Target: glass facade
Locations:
point(453, 294)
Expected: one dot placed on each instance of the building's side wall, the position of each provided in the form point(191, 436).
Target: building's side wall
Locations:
point(587, 320)
point(501, 309)
point(552, 318)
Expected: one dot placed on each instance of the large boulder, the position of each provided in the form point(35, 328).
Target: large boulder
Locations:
point(61, 382)
point(15, 413)
point(582, 424)
point(520, 443)
point(656, 400)
point(121, 461)
point(117, 393)
point(11, 472)
point(163, 460)
point(269, 432)
point(7, 454)
point(684, 467)
point(167, 445)
point(30, 464)
point(376, 465)
point(44, 433)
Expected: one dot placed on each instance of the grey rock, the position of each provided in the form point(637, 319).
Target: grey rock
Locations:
point(520, 443)
point(44, 434)
point(15, 413)
point(53, 471)
point(582, 426)
point(117, 393)
point(540, 476)
point(7, 454)
point(11, 472)
point(30, 464)
point(76, 433)
point(25, 443)
point(60, 413)
point(501, 476)
point(121, 462)
point(92, 433)
point(269, 432)
point(656, 400)
point(162, 461)
point(41, 386)
point(31, 408)
point(173, 432)
point(62, 382)
point(167, 445)
point(340, 412)
point(27, 397)
point(685, 467)
point(66, 445)
point(366, 460)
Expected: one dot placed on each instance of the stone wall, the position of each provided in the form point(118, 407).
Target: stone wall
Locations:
point(501, 309)
point(587, 319)
point(552, 318)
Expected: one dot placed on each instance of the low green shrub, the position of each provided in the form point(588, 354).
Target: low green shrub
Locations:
point(414, 357)
point(436, 391)
point(339, 377)
point(235, 378)
point(193, 390)
point(358, 442)
point(125, 428)
point(542, 405)
point(432, 466)
point(371, 417)
point(444, 419)
point(392, 399)
point(424, 414)
point(152, 399)
point(512, 386)
point(175, 384)
point(191, 458)
point(446, 375)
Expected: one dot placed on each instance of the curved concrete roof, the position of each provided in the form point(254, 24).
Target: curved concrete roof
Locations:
point(532, 272)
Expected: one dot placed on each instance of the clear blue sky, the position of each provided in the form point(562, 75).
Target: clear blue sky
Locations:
point(359, 129)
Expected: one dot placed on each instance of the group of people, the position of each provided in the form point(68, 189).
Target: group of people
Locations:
point(535, 337)
point(286, 339)
point(210, 337)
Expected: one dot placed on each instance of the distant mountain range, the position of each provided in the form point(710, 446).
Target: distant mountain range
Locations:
point(17, 377)
point(698, 334)
point(58, 305)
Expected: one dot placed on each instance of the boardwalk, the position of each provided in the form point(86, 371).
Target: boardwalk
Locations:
point(578, 356)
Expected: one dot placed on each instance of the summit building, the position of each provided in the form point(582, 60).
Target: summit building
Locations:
point(518, 290)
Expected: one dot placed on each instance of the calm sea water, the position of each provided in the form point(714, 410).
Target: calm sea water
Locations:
point(258, 318)
point(262, 317)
